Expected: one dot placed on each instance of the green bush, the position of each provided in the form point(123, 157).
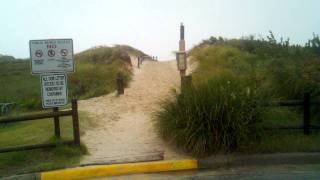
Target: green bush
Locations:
point(92, 80)
point(97, 69)
point(214, 60)
point(287, 70)
point(218, 115)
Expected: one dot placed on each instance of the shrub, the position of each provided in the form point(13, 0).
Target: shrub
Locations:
point(97, 69)
point(91, 80)
point(218, 115)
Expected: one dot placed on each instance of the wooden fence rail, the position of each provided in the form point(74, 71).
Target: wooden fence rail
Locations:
point(306, 104)
point(56, 114)
point(284, 103)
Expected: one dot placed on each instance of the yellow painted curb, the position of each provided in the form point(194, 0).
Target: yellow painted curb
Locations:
point(120, 169)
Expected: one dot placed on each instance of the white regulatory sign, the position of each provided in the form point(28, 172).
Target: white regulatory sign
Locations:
point(54, 90)
point(51, 56)
point(181, 60)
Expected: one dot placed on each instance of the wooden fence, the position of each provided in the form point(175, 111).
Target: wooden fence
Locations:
point(5, 108)
point(306, 103)
point(55, 115)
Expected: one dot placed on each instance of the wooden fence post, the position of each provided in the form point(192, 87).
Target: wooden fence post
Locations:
point(186, 83)
point(56, 123)
point(120, 84)
point(306, 113)
point(182, 73)
point(75, 123)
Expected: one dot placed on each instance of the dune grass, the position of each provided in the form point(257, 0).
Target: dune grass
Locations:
point(95, 74)
point(226, 117)
point(96, 79)
point(218, 115)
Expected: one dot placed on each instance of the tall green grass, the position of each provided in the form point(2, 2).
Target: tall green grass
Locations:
point(218, 115)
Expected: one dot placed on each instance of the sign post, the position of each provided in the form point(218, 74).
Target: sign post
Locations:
point(52, 58)
point(181, 55)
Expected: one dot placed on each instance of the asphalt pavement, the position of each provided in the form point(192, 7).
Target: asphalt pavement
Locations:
point(292, 172)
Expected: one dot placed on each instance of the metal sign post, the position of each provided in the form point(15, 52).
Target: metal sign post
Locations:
point(181, 55)
point(52, 58)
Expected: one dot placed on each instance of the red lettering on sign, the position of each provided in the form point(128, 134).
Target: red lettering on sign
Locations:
point(51, 46)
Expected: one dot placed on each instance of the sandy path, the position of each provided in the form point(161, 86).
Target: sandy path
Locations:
point(124, 125)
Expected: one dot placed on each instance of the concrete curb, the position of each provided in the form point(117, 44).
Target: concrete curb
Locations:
point(119, 169)
point(34, 176)
point(218, 161)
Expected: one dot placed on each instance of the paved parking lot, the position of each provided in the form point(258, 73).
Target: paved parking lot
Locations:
point(309, 171)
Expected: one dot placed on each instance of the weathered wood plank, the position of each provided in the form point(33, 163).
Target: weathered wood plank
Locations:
point(35, 146)
point(35, 116)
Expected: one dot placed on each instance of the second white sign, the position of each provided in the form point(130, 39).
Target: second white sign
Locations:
point(54, 90)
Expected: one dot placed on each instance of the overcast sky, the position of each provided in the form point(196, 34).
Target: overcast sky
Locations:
point(151, 25)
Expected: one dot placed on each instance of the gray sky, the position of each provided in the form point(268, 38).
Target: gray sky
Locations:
point(151, 25)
